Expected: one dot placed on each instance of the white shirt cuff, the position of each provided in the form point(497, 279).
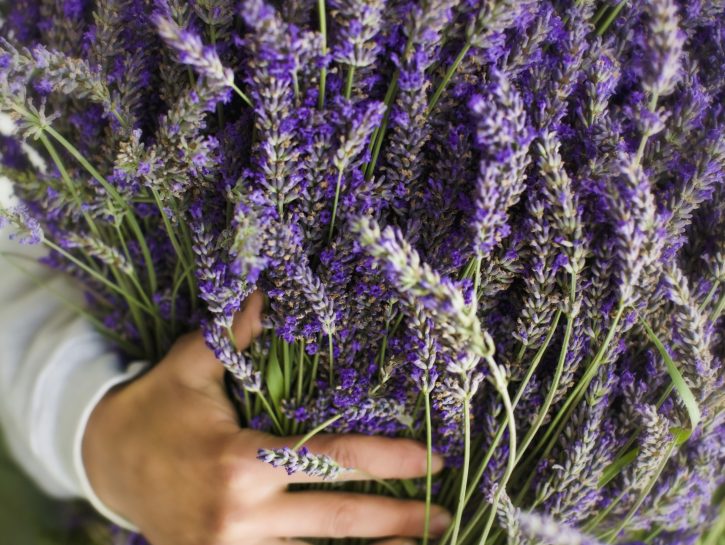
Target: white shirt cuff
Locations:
point(85, 413)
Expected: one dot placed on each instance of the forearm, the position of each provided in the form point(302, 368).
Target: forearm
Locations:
point(54, 368)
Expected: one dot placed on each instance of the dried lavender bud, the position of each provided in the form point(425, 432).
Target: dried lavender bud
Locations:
point(191, 51)
point(571, 492)
point(492, 17)
point(25, 228)
point(653, 444)
point(64, 74)
point(541, 298)
point(601, 81)
point(410, 132)
point(563, 209)
point(357, 23)
point(218, 15)
point(217, 339)
point(361, 127)
point(504, 139)
point(663, 48)
point(426, 352)
point(419, 282)
point(546, 529)
point(692, 340)
point(632, 206)
point(302, 461)
point(107, 40)
point(508, 517)
point(101, 251)
point(316, 295)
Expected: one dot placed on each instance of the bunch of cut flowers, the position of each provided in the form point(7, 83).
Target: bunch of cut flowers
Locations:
point(494, 226)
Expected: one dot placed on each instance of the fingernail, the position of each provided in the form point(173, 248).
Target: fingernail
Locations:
point(439, 521)
point(438, 463)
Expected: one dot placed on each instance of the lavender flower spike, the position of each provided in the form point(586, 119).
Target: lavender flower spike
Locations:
point(192, 51)
point(420, 283)
point(295, 461)
point(546, 530)
point(26, 229)
point(664, 48)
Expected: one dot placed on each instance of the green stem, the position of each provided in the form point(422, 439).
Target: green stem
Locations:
point(476, 280)
point(379, 133)
point(512, 459)
point(316, 430)
point(96, 275)
point(130, 217)
point(137, 316)
point(239, 92)
point(447, 78)
point(174, 241)
point(247, 407)
point(645, 137)
point(501, 428)
point(603, 514)
point(300, 371)
point(599, 14)
point(465, 469)
point(562, 417)
point(589, 375)
point(313, 374)
point(134, 275)
point(428, 465)
point(718, 310)
point(710, 295)
point(338, 185)
point(322, 16)
point(270, 412)
point(610, 18)
point(332, 359)
point(68, 182)
point(287, 367)
point(348, 81)
point(717, 531)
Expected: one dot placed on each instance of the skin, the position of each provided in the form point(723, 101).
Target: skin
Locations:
point(166, 452)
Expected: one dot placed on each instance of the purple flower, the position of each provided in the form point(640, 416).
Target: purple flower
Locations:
point(302, 461)
point(191, 51)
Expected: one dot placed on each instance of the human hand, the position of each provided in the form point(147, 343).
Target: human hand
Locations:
point(166, 452)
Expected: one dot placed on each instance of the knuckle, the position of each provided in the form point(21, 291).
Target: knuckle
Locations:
point(341, 453)
point(216, 521)
point(342, 519)
point(232, 473)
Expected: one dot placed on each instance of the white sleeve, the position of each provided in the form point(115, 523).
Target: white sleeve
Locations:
point(54, 369)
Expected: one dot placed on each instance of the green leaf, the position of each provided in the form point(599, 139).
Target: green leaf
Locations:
point(681, 435)
point(274, 379)
point(613, 469)
point(693, 410)
point(410, 488)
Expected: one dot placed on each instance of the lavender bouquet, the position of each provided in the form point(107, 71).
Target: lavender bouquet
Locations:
point(495, 226)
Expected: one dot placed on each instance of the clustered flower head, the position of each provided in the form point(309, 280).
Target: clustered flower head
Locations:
point(497, 227)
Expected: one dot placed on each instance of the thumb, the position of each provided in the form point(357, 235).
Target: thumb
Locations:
point(248, 322)
point(246, 327)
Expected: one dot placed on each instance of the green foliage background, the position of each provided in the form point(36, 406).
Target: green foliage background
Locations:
point(28, 517)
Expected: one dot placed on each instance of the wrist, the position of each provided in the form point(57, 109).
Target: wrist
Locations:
point(103, 457)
